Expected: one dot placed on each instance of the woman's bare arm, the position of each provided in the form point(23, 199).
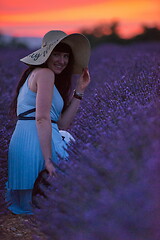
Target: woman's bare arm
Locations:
point(68, 115)
point(44, 79)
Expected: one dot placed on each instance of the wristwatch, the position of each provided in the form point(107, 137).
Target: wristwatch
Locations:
point(78, 95)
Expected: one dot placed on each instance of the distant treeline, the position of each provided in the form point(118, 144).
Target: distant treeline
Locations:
point(11, 42)
point(105, 33)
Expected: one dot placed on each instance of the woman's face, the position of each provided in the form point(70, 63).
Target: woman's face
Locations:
point(58, 61)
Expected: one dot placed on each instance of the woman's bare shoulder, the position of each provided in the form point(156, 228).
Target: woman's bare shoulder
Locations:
point(41, 76)
point(46, 72)
point(44, 75)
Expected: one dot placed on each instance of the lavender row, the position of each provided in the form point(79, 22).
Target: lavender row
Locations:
point(111, 187)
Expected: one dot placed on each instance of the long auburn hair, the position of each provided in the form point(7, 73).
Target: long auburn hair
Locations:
point(62, 80)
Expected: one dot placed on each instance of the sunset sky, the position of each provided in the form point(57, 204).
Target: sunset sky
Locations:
point(35, 18)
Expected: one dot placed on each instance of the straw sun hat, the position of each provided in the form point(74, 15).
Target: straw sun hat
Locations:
point(78, 42)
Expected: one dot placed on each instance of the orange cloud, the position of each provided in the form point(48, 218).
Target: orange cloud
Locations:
point(129, 10)
point(19, 6)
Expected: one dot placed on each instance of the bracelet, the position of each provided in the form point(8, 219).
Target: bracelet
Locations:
point(78, 95)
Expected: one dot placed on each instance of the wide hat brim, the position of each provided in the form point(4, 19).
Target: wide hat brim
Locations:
point(78, 42)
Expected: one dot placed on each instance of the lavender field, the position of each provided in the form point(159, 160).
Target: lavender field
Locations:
point(111, 189)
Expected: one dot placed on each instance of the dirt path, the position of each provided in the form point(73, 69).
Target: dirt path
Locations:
point(16, 227)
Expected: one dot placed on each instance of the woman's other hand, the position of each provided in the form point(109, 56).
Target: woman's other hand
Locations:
point(83, 81)
point(50, 168)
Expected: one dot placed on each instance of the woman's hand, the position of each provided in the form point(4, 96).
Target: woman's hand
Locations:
point(50, 168)
point(83, 81)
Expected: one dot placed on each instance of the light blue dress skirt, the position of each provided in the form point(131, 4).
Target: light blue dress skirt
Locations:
point(25, 159)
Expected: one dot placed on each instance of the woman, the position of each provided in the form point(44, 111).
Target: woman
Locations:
point(43, 107)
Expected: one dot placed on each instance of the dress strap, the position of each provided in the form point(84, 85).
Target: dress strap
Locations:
point(22, 116)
